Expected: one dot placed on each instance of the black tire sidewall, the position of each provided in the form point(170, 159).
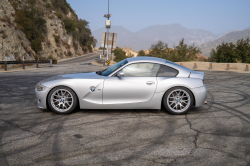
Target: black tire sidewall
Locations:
point(178, 113)
point(75, 100)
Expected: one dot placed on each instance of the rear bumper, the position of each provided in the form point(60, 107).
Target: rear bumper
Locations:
point(200, 95)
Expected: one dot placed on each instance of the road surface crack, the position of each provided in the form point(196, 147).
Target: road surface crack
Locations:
point(194, 142)
point(196, 145)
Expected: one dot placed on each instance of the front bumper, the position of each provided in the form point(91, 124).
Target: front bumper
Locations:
point(41, 98)
point(200, 95)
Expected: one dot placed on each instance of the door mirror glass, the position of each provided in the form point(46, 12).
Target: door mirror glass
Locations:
point(120, 74)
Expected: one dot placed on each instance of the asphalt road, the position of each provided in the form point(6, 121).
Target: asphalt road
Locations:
point(215, 134)
point(83, 58)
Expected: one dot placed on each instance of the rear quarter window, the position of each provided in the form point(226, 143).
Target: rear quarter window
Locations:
point(166, 71)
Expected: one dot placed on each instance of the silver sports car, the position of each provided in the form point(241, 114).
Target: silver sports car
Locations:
point(133, 83)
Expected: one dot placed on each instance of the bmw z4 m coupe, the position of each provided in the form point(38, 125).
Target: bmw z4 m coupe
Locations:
point(133, 83)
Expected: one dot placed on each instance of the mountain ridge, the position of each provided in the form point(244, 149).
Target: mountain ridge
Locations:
point(230, 37)
point(168, 33)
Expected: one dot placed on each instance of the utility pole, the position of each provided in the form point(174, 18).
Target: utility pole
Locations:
point(108, 25)
point(108, 35)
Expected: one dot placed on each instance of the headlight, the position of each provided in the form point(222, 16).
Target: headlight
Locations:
point(40, 87)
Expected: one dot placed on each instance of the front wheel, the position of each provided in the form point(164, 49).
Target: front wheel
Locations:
point(62, 100)
point(178, 100)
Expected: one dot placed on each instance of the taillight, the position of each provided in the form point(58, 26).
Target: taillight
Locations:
point(203, 82)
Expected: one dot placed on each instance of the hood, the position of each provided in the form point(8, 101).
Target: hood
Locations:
point(91, 75)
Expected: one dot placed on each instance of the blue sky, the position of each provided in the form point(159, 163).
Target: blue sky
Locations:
point(217, 16)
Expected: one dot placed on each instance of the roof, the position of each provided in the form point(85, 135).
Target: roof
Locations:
point(146, 59)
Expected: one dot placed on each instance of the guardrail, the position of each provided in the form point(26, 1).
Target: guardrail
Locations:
point(6, 63)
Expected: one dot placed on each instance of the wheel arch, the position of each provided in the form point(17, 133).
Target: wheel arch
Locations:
point(78, 104)
point(194, 103)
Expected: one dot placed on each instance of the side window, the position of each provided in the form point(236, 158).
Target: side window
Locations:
point(166, 71)
point(141, 70)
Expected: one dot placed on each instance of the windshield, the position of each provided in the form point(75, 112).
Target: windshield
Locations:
point(111, 69)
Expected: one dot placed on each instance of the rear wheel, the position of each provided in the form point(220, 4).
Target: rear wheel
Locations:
point(62, 100)
point(178, 100)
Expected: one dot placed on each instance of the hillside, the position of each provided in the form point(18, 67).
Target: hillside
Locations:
point(41, 29)
point(230, 37)
point(171, 34)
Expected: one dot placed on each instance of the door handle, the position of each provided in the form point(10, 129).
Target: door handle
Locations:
point(150, 82)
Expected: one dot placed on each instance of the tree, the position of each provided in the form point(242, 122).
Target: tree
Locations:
point(185, 52)
point(230, 52)
point(243, 50)
point(226, 53)
point(141, 53)
point(119, 54)
point(182, 52)
point(212, 56)
point(159, 50)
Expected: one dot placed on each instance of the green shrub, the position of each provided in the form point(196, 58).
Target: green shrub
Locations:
point(70, 54)
point(59, 15)
point(30, 21)
point(70, 25)
point(48, 6)
point(61, 4)
point(14, 4)
point(50, 57)
point(101, 48)
point(119, 54)
point(36, 45)
point(32, 2)
point(36, 58)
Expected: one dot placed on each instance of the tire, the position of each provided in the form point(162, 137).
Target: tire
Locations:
point(62, 100)
point(178, 100)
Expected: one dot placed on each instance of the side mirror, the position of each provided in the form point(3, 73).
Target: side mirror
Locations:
point(120, 74)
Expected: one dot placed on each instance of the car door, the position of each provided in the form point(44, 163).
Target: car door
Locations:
point(138, 84)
